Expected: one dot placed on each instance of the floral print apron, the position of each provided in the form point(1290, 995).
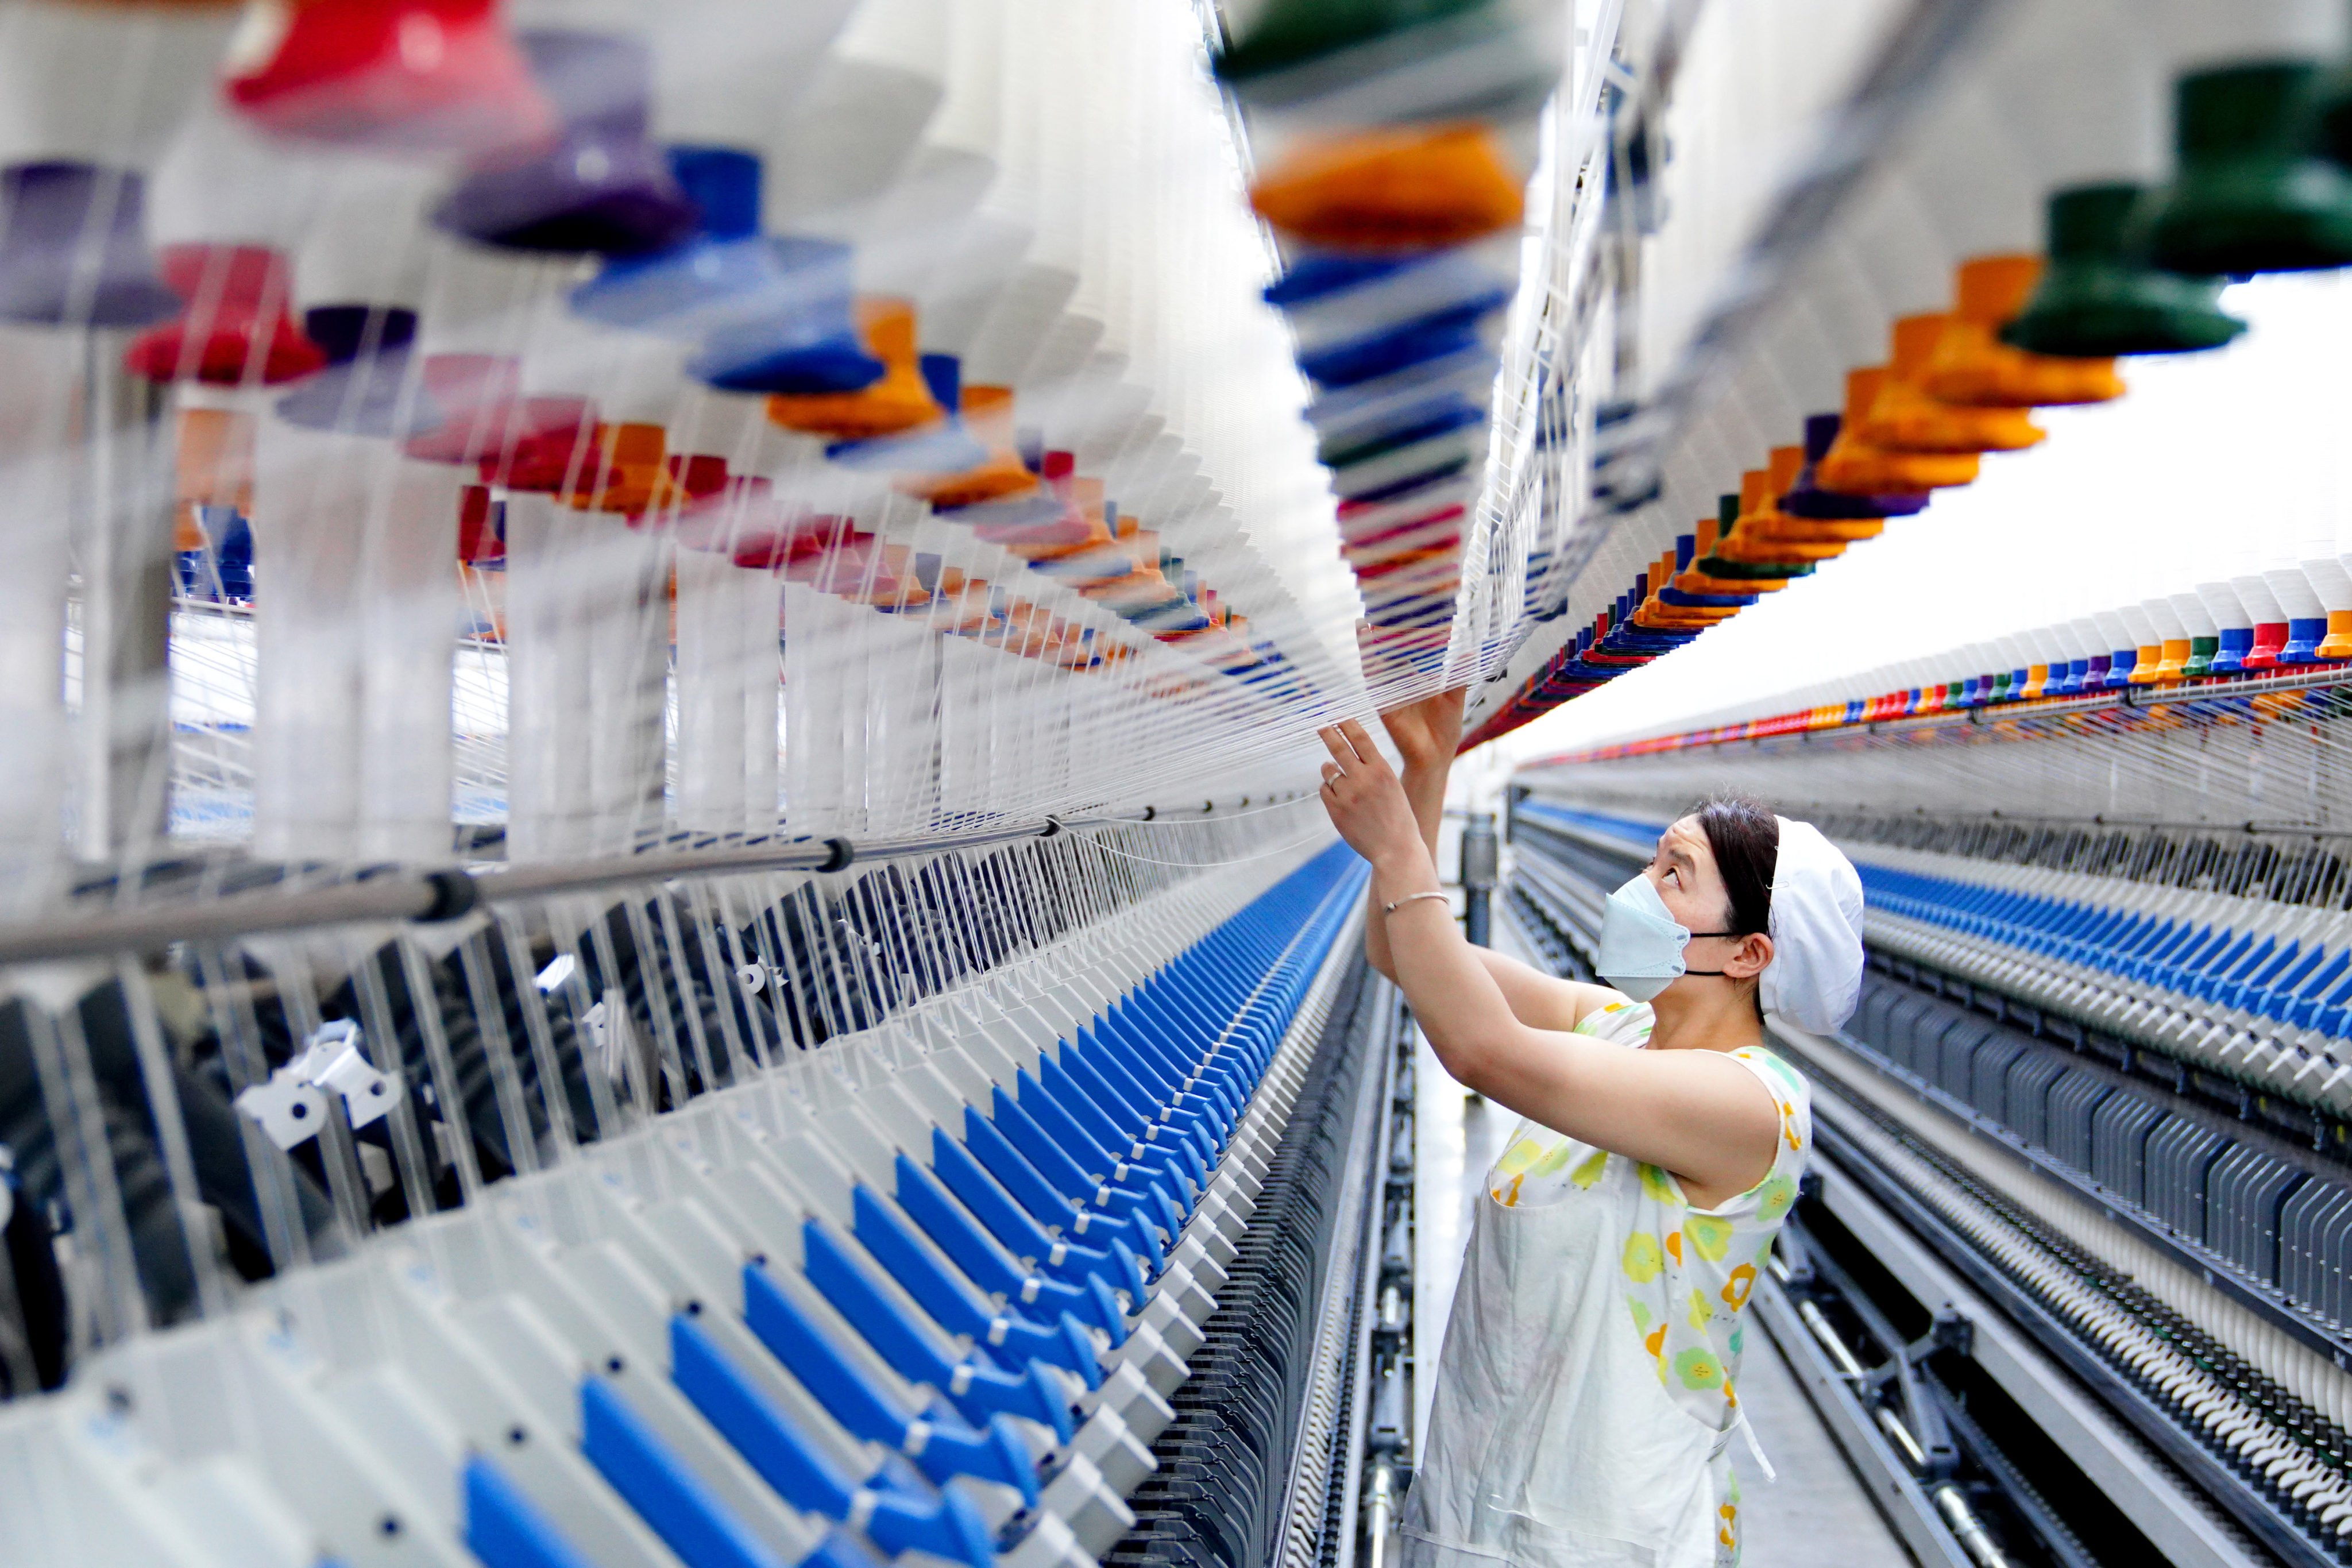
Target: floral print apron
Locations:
point(1587, 1391)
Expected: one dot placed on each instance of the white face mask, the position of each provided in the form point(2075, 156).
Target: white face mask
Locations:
point(1641, 943)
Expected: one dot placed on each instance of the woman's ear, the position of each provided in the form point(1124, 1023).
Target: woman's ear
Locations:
point(1751, 958)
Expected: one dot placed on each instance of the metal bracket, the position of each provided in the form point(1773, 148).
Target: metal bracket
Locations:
point(1950, 1330)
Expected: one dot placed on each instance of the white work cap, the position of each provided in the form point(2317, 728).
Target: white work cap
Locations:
point(1814, 980)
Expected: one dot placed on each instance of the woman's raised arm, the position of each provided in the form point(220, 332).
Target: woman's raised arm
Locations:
point(1698, 1114)
point(1426, 734)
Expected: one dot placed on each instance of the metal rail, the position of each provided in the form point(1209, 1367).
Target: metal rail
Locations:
point(402, 895)
point(1318, 1528)
point(1830, 1385)
point(2258, 1515)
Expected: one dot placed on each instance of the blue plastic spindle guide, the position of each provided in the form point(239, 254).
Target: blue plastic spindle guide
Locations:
point(1151, 1091)
point(763, 1434)
point(690, 1520)
point(505, 1529)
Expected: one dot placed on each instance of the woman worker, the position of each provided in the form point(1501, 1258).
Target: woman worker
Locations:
point(1587, 1393)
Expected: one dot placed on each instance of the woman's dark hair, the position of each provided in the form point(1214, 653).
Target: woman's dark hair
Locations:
point(1745, 838)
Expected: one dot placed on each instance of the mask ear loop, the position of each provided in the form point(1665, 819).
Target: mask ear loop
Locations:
point(1713, 973)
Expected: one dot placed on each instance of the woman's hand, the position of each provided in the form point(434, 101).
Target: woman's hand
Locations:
point(1367, 800)
point(1428, 733)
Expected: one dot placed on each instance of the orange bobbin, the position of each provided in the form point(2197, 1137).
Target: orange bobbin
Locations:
point(1780, 476)
point(1749, 539)
point(899, 402)
point(1857, 465)
point(1972, 367)
point(626, 472)
point(988, 416)
point(214, 463)
point(1694, 581)
point(1412, 187)
point(1658, 614)
point(1907, 418)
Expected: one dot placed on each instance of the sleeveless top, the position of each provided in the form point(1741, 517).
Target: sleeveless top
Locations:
point(1587, 1391)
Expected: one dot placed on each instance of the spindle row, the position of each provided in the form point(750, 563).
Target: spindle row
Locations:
point(2021, 231)
point(926, 1291)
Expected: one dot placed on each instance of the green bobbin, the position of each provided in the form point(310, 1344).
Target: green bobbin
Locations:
point(2098, 296)
point(2253, 193)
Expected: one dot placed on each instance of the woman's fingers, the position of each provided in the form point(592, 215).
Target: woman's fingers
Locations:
point(1351, 747)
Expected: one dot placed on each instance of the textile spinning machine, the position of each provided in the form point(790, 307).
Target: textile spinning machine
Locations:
point(2038, 349)
point(660, 895)
point(661, 899)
